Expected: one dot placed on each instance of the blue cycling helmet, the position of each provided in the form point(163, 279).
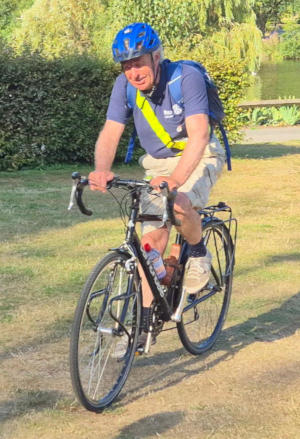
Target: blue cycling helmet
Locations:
point(134, 40)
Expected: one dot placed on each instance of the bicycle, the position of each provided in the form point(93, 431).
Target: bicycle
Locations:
point(109, 308)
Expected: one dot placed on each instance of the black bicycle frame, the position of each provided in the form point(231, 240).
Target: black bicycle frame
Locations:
point(133, 242)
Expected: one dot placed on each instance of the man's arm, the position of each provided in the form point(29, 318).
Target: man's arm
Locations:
point(105, 151)
point(197, 127)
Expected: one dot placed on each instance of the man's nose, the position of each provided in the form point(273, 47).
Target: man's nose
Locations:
point(134, 71)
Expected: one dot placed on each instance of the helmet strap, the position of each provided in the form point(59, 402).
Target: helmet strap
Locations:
point(155, 72)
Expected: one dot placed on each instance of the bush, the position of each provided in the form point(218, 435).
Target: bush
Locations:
point(231, 79)
point(282, 116)
point(51, 111)
point(290, 44)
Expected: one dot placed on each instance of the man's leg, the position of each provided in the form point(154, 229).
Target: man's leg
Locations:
point(191, 226)
point(157, 239)
point(197, 269)
point(190, 229)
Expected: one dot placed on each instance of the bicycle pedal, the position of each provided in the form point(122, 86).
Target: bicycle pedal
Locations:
point(139, 351)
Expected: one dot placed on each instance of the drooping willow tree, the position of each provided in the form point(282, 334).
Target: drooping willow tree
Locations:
point(58, 27)
point(221, 27)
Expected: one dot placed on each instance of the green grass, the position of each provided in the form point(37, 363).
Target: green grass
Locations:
point(47, 252)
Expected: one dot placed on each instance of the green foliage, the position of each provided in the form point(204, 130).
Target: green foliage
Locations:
point(241, 41)
point(272, 51)
point(59, 27)
point(176, 20)
point(290, 115)
point(269, 11)
point(285, 47)
point(214, 25)
point(51, 111)
point(10, 11)
point(66, 27)
point(290, 44)
point(285, 115)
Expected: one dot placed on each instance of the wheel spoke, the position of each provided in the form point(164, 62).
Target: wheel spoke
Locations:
point(204, 316)
point(110, 300)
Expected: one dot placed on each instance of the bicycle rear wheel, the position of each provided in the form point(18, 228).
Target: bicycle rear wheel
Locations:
point(204, 314)
point(104, 333)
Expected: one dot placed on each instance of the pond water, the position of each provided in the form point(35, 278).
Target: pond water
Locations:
point(275, 80)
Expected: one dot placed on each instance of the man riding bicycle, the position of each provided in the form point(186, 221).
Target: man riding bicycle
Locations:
point(193, 162)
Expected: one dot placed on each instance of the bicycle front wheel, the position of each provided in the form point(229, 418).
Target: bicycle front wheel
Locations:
point(204, 314)
point(104, 333)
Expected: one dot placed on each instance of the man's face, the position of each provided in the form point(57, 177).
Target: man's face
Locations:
point(139, 71)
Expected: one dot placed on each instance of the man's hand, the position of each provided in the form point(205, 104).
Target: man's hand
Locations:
point(99, 179)
point(155, 182)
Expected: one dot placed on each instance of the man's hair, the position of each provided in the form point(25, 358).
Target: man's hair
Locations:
point(160, 52)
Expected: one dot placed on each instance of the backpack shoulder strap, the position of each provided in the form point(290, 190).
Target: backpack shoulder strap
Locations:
point(174, 74)
point(131, 98)
point(131, 95)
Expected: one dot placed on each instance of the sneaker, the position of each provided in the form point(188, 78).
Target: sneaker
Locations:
point(197, 273)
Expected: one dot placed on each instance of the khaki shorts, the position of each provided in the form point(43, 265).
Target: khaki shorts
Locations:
point(197, 187)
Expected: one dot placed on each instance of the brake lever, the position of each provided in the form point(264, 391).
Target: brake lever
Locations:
point(72, 196)
point(76, 193)
point(168, 198)
point(76, 178)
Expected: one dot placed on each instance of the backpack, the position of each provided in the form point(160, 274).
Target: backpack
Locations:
point(174, 74)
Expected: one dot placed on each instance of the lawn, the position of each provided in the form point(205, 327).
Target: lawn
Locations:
point(46, 254)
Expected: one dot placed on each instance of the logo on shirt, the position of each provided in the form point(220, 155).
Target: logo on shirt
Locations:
point(177, 109)
point(168, 114)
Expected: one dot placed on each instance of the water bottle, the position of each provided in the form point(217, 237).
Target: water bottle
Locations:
point(171, 263)
point(154, 256)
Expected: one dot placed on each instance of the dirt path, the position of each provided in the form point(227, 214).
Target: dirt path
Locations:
point(271, 134)
point(247, 387)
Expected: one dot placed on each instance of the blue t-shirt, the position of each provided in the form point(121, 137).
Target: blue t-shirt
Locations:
point(169, 113)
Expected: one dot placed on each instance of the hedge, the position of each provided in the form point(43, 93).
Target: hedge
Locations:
point(52, 111)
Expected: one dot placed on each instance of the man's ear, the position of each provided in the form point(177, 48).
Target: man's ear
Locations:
point(156, 57)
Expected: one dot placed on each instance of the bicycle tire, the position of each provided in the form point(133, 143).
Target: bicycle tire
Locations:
point(201, 324)
point(98, 370)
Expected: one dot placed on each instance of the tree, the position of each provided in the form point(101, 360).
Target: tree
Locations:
point(58, 27)
point(177, 20)
point(270, 11)
point(221, 28)
point(10, 10)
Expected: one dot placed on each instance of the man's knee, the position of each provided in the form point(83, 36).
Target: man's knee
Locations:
point(157, 238)
point(182, 204)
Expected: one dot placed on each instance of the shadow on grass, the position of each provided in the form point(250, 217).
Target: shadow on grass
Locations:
point(26, 401)
point(168, 369)
point(268, 261)
point(165, 369)
point(157, 424)
point(294, 257)
point(36, 200)
point(263, 151)
point(52, 333)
